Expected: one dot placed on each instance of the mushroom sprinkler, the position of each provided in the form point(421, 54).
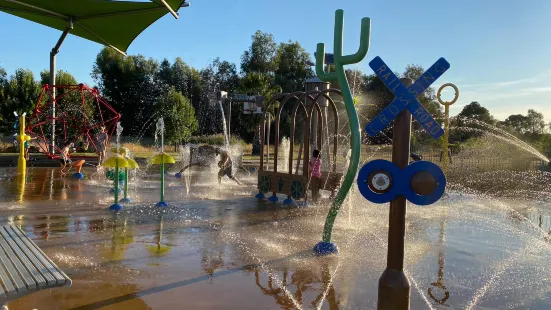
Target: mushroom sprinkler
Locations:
point(132, 164)
point(116, 162)
point(326, 246)
point(162, 159)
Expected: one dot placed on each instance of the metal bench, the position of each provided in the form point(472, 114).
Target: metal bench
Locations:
point(24, 268)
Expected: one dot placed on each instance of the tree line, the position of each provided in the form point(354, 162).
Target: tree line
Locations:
point(531, 127)
point(144, 89)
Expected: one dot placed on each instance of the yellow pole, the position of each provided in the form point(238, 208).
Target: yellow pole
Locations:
point(446, 139)
point(22, 138)
point(446, 105)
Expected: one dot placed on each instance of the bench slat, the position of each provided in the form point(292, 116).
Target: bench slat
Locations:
point(11, 266)
point(49, 272)
point(60, 276)
point(5, 275)
point(40, 273)
point(20, 260)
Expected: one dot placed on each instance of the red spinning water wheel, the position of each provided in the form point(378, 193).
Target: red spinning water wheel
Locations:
point(80, 112)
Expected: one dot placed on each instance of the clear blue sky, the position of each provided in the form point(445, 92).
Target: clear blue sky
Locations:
point(500, 52)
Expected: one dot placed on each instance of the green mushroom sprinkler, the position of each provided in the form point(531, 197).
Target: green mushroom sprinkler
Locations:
point(132, 164)
point(162, 159)
point(326, 246)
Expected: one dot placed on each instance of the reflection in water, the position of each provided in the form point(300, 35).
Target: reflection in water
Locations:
point(158, 249)
point(21, 182)
point(121, 237)
point(440, 282)
point(231, 238)
point(48, 223)
point(211, 261)
point(304, 280)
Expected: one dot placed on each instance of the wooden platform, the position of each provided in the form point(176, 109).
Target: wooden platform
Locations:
point(24, 268)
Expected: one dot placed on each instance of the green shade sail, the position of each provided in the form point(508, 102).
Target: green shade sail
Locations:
point(112, 23)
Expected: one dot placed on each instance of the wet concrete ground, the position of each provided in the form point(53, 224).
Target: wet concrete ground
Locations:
point(217, 247)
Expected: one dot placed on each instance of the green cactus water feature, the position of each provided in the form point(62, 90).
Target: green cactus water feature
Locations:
point(326, 247)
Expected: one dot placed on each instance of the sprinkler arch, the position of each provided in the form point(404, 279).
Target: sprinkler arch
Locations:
point(296, 185)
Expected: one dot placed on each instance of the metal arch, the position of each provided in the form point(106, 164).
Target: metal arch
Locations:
point(306, 159)
point(325, 93)
point(263, 127)
point(292, 95)
point(293, 130)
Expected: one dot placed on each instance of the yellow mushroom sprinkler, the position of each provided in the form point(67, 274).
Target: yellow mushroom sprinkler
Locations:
point(132, 164)
point(116, 162)
point(162, 159)
point(120, 160)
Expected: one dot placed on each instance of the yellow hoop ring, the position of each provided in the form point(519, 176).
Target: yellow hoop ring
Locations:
point(439, 93)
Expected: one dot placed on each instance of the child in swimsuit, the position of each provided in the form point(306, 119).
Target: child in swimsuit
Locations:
point(64, 158)
point(315, 166)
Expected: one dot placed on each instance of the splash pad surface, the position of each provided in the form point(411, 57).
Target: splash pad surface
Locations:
point(483, 253)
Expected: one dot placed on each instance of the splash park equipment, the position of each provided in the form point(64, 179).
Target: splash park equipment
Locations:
point(132, 164)
point(81, 113)
point(295, 184)
point(22, 138)
point(420, 182)
point(446, 105)
point(123, 175)
point(78, 165)
point(116, 162)
point(340, 60)
point(161, 159)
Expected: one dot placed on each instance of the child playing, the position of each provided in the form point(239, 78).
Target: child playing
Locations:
point(64, 158)
point(315, 166)
point(67, 162)
point(225, 164)
point(101, 145)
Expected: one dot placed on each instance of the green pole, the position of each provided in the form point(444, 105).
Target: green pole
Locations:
point(125, 183)
point(116, 181)
point(339, 75)
point(162, 180)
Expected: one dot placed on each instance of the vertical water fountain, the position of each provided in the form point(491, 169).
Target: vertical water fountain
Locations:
point(117, 161)
point(161, 159)
point(185, 153)
point(132, 164)
point(283, 152)
point(225, 126)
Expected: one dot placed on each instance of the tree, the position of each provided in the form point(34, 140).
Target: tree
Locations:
point(292, 62)
point(517, 122)
point(535, 122)
point(476, 112)
point(178, 115)
point(129, 84)
point(61, 78)
point(19, 94)
point(256, 83)
point(261, 54)
point(357, 82)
